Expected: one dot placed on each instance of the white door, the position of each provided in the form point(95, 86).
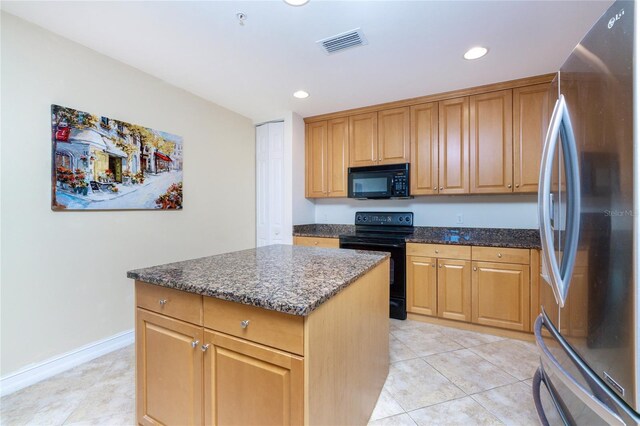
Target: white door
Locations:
point(270, 184)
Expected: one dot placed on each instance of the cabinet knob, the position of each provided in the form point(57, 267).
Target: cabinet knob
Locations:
point(433, 265)
point(439, 266)
point(315, 243)
point(517, 185)
point(509, 186)
point(475, 268)
point(195, 343)
point(205, 347)
point(500, 255)
point(244, 324)
point(436, 251)
point(435, 188)
point(441, 188)
point(162, 302)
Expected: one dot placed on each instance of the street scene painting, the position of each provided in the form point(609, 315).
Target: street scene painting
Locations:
point(99, 163)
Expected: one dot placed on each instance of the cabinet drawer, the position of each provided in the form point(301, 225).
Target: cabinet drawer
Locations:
point(271, 328)
point(317, 242)
point(439, 250)
point(170, 302)
point(498, 254)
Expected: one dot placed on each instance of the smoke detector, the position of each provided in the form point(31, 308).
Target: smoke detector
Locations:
point(343, 41)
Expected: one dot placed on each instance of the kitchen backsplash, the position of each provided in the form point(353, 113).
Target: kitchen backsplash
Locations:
point(482, 211)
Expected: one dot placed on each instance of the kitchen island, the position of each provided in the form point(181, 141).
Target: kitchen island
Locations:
point(273, 335)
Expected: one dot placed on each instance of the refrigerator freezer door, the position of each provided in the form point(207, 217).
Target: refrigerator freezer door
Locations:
point(578, 396)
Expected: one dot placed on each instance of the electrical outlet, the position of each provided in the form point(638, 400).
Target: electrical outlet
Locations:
point(459, 219)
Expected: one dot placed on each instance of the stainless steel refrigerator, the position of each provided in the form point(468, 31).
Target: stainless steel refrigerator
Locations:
point(588, 334)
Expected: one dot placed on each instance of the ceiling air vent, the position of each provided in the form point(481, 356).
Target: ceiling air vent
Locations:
point(339, 42)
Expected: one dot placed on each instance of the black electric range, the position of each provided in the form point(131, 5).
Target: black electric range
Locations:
point(385, 231)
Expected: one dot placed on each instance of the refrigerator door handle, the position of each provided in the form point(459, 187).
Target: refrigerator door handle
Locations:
point(559, 277)
point(604, 412)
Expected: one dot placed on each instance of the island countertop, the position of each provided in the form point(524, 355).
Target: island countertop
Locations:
point(290, 279)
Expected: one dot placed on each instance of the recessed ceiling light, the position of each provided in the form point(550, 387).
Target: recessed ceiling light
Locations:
point(301, 94)
point(476, 52)
point(296, 2)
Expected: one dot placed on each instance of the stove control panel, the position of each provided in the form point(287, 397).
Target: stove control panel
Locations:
point(384, 218)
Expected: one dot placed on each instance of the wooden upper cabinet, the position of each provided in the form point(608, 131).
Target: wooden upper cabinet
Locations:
point(316, 157)
point(338, 157)
point(424, 149)
point(327, 158)
point(453, 146)
point(363, 139)
point(531, 115)
point(491, 142)
point(393, 136)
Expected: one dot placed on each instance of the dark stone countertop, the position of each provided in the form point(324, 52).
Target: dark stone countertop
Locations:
point(290, 279)
point(491, 237)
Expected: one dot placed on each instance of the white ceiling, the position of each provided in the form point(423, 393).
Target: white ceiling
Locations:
point(415, 47)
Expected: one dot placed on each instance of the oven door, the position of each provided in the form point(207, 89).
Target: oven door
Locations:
point(397, 285)
point(370, 184)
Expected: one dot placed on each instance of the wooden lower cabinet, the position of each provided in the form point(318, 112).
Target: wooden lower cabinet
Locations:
point(250, 384)
point(422, 290)
point(169, 370)
point(500, 295)
point(327, 368)
point(454, 289)
point(439, 287)
point(317, 242)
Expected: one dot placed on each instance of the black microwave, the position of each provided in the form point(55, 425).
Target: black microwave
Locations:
point(388, 181)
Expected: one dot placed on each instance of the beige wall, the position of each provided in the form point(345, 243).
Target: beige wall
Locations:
point(64, 274)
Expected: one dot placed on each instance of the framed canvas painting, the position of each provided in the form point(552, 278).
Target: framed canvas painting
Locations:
point(99, 163)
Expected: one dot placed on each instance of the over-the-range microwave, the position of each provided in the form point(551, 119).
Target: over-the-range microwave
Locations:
point(388, 181)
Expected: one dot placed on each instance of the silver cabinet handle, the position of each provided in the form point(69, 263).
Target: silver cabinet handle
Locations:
point(205, 347)
point(195, 343)
point(162, 302)
point(244, 324)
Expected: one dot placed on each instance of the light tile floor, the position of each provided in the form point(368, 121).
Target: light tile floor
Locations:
point(438, 376)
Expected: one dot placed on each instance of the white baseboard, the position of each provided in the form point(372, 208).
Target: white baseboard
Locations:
point(43, 370)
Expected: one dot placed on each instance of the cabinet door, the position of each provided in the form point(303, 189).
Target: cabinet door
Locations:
point(453, 146)
point(424, 149)
point(454, 289)
point(530, 122)
point(421, 285)
point(316, 158)
point(491, 140)
point(251, 384)
point(338, 157)
point(500, 295)
point(393, 136)
point(168, 370)
point(363, 139)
